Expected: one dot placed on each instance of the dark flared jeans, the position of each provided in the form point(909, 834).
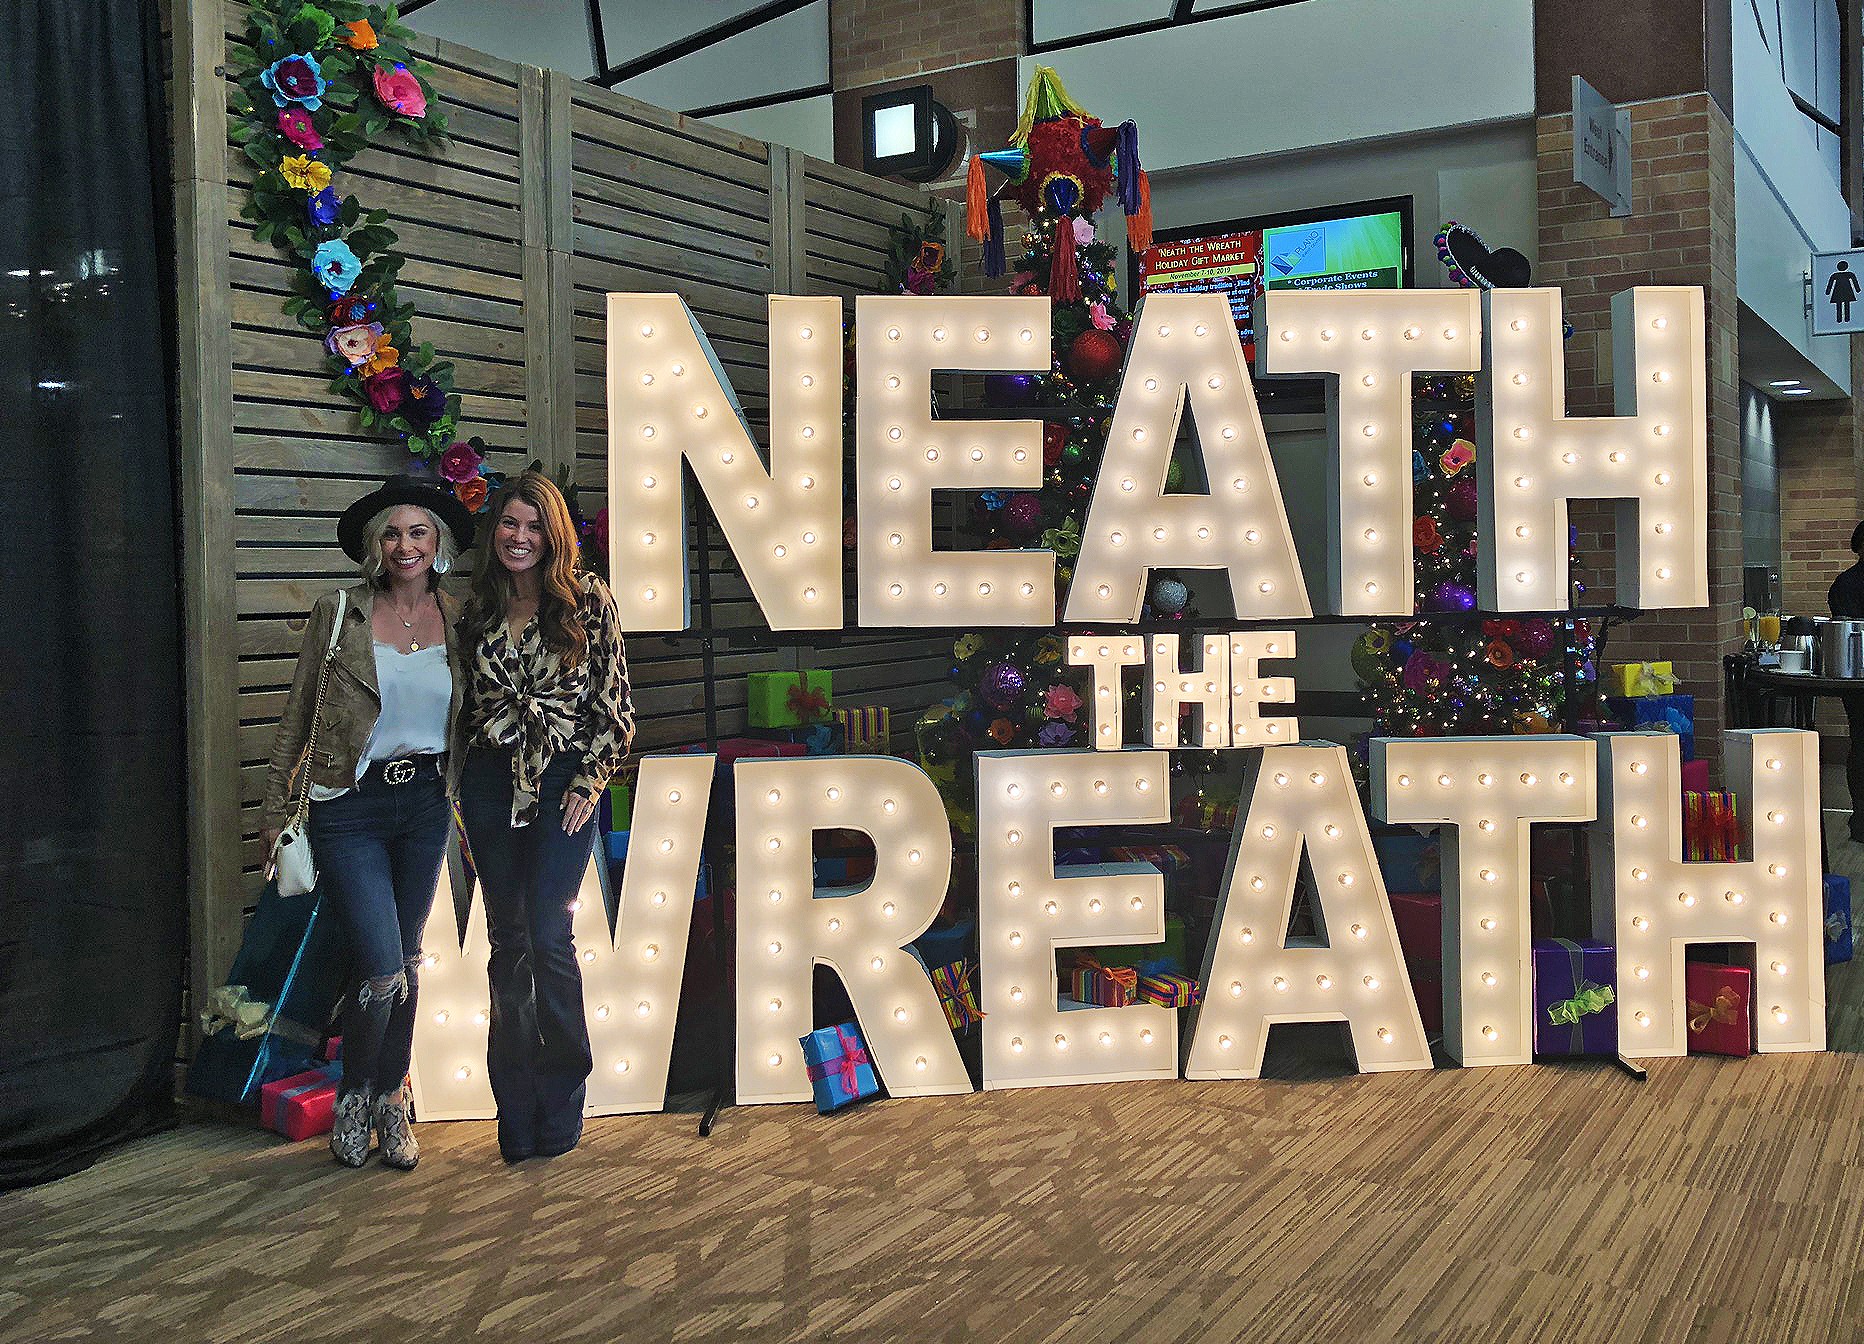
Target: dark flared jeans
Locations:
point(538, 1059)
point(379, 848)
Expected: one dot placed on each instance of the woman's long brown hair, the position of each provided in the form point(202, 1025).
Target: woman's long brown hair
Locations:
point(561, 596)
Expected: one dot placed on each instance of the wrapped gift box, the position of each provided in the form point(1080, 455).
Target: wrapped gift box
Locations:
point(840, 870)
point(333, 1048)
point(839, 1066)
point(618, 803)
point(1410, 862)
point(1168, 990)
point(940, 946)
point(1720, 1002)
point(1106, 986)
point(1419, 917)
point(1695, 776)
point(1575, 997)
point(1711, 827)
point(1662, 713)
point(303, 1105)
point(790, 699)
point(1837, 919)
point(957, 994)
point(1633, 679)
point(816, 739)
point(867, 730)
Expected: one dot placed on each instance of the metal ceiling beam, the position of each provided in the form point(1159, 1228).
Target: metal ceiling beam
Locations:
point(608, 77)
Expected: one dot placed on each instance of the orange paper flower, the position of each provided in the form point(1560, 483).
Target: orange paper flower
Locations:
point(361, 36)
point(471, 493)
point(385, 357)
point(1003, 731)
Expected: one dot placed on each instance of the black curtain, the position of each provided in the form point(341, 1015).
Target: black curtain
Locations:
point(92, 896)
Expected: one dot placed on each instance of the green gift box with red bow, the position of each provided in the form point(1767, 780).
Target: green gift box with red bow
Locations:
point(790, 699)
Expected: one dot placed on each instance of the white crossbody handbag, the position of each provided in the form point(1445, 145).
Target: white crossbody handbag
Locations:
point(291, 855)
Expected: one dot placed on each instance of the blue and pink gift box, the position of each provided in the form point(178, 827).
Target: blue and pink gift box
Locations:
point(1838, 945)
point(840, 1068)
point(1575, 997)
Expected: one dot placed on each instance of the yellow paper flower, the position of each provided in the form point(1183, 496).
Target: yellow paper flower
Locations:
point(361, 35)
point(386, 356)
point(967, 646)
point(1048, 650)
point(304, 172)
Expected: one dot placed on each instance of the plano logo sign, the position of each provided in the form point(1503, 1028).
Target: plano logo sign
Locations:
point(670, 405)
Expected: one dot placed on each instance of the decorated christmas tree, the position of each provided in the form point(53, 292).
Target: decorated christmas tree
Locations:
point(1016, 691)
point(1451, 672)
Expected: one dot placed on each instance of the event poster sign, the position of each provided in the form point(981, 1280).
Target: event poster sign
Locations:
point(1361, 252)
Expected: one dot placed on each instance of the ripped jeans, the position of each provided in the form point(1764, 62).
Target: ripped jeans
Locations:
point(379, 849)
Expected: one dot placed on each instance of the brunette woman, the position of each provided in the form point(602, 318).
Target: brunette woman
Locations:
point(378, 781)
point(548, 721)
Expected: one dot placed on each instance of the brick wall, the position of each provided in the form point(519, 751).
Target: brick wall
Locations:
point(965, 49)
point(872, 41)
point(1681, 232)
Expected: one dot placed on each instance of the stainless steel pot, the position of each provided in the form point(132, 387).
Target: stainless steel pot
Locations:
point(1841, 649)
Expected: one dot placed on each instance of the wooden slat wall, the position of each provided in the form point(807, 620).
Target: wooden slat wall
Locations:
point(662, 202)
point(550, 194)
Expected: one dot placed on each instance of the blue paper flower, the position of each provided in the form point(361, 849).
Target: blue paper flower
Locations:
point(324, 207)
point(295, 79)
point(991, 499)
point(1055, 735)
point(335, 266)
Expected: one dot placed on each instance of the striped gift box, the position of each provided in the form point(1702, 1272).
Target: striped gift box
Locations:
point(869, 727)
point(957, 995)
point(1168, 991)
point(1104, 986)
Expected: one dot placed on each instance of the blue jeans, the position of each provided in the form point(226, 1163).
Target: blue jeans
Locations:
point(379, 848)
point(538, 1059)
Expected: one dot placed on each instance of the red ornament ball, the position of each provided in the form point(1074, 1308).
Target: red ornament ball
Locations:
point(1095, 355)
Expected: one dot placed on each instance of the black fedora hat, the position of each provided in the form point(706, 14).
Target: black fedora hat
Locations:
point(420, 491)
point(1473, 262)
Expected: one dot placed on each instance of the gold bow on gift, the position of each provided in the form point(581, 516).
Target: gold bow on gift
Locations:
point(231, 1007)
point(1654, 680)
point(1726, 1008)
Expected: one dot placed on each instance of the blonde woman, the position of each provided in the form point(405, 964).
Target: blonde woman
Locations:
point(378, 780)
point(550, 720)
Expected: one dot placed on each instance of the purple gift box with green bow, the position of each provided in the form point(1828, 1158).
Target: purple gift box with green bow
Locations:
point(1575, 1001)
point(840, 1068)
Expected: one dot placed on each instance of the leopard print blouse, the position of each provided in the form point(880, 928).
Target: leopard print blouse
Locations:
point(524, 700)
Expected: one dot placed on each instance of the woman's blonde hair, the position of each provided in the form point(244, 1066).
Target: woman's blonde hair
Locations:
point(372, 569)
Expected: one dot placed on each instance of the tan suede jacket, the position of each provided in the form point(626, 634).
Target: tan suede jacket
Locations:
point(351, 705)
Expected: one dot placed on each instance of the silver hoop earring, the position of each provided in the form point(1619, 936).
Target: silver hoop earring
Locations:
point(442, 564)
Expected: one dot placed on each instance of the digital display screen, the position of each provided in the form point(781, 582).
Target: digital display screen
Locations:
point(1243, 260)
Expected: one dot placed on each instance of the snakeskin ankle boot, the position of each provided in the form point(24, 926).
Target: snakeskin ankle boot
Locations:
point(349, 1137)
point(394, 1132)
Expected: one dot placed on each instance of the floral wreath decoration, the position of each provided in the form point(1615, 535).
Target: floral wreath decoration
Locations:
point(318, 84)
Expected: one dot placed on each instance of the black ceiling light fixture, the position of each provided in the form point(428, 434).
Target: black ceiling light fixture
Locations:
point(906, 133)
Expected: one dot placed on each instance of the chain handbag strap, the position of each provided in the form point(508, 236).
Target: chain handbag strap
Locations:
point(317, 714)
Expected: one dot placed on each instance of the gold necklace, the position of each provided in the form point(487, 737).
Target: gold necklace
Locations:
point(414, 645)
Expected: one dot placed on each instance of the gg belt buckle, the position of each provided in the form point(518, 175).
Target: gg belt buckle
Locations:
point(398, 772)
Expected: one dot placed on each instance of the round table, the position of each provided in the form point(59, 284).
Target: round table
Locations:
point(1758, 693)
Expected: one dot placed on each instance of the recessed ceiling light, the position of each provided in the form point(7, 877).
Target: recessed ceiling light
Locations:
point(1795, 391)
point(1784, 382)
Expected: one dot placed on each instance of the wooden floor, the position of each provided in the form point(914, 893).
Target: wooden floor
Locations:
point(1719, 1201)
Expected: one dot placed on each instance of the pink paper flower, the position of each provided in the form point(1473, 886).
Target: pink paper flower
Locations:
point(1062, 703)
point(1083, 231)
point(400, 92)
point(354, 343)
point(386, 390)
point(295, 124)
point(460, 462)
point(1097, 314)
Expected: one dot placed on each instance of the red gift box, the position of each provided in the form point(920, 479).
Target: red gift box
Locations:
point(303, 1105)
point(1695, 776)
point(1720, 1002)
point(1419, 917)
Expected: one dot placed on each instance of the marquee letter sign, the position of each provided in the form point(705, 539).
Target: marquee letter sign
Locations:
point(671, 408)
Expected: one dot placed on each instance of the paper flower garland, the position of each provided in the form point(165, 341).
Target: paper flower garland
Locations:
point(320, 83)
